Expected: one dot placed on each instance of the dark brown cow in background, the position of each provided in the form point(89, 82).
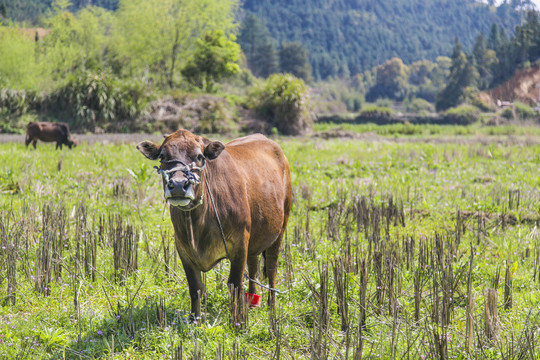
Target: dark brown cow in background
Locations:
point(249, 182)
point(49, 132)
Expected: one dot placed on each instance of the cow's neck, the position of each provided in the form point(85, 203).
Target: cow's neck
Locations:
point(198, 229)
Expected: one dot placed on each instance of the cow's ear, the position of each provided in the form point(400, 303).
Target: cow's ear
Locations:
point(149, 149)
point(212, 150)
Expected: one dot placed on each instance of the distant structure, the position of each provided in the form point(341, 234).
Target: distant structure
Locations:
point(503, 104)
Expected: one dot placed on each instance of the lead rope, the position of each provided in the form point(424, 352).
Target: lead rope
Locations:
point(225, 242)
point(217, 216)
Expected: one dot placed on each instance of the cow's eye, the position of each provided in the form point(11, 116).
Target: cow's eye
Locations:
point(200, 157)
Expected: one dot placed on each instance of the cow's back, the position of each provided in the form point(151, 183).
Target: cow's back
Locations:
point(52, 132)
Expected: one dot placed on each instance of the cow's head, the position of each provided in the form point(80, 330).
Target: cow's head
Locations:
point(183, 157)
point(71, 142)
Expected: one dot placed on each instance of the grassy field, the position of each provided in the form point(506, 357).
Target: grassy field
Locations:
point(421, 246)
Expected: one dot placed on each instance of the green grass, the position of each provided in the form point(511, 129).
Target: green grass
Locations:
point(459, 132)
point(427, 181)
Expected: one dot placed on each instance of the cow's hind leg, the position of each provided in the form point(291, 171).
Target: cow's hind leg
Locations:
point(27, 140)
point(34, 143)
point(270, 266)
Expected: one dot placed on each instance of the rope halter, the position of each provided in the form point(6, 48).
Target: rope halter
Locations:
point(187, 170)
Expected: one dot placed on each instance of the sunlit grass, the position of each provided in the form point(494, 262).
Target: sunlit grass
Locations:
point(492, 186)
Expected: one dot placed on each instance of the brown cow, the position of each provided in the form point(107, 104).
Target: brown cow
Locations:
point(249, 182)
point(49, 132)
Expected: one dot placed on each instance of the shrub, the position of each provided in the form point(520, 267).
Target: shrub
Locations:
point(384, 102)
point(197, 113)
point(92, 100)
point(461, 115)
point(18, 102)
point(15, 124)
point(283, 103)
point(374, 111)
point(524, 111)
point(476, 101)
point(508, 113)
point(418, 105)
point(207, 114)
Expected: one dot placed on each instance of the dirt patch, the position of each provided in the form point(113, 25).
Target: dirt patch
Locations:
point(522, 87)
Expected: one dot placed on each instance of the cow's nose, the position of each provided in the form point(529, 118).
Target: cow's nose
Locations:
point(178, 187)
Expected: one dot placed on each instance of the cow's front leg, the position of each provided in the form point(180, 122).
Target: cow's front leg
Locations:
point(196, 288)
point(253, 270)
point(238, 259)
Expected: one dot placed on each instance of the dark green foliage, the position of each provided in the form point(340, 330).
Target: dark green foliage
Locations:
point(484, 59)
point(98, 100)
point(215, 57)
point(258, 46)
point(293, 59)
point(349, 37)
point(508, 113)
point(462, 74)
point(3, 10)
point(34, 10)
point(283, 103)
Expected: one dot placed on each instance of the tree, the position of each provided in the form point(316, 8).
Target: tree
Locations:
point(3, 10)
point(75, 42)
point(153, 37)
point(391, 81)
point(419, 72)
point(526, 39)
point(484, 59)
point(258, 46)
point(462, 74)
point(293, 59)
point(17, 49)
point(494, 39)
point(215, 57)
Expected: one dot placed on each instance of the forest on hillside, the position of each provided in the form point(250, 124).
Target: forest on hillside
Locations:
point(344, 38)
point(104, 69)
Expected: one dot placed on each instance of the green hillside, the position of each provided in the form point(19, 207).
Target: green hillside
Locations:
point(345, 37)
point(33, 10)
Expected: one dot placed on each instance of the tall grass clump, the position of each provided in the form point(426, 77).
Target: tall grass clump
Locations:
point(283, 102)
